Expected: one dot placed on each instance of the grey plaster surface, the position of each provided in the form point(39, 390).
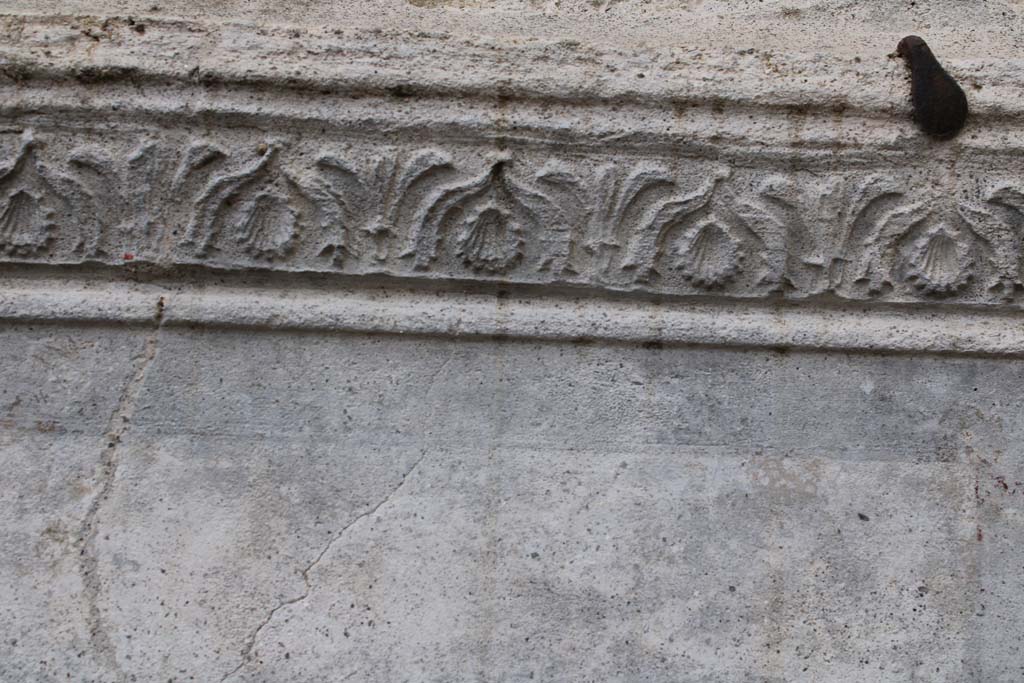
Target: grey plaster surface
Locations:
point(849, 27)
point(309, 506)
point(500, 340)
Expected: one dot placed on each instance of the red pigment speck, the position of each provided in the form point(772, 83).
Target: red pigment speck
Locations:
point(128, 257)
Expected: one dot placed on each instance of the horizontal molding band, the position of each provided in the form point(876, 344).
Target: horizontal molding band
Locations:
point(435, 160)
point(514, 316)
point(755, 136)
point(242, 200)
point(406, 66)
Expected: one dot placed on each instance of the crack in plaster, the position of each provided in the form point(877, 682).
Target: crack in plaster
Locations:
point(250, 644)
point(117, 426)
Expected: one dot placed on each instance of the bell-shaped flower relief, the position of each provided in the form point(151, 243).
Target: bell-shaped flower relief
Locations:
point(709, 256)
point(253, 209)
point(265, 224)
point(28, 204)
point(486, 223)
point(489, 239)
point(939, 262)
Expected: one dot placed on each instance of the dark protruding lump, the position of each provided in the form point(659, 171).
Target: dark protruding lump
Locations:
point(940, 106)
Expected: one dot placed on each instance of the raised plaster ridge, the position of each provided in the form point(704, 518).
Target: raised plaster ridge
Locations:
point(458, 314)
point(345, 61)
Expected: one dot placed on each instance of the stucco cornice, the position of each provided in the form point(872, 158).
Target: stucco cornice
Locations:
point(700, 174)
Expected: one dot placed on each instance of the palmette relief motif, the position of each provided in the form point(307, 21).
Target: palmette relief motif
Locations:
point(492, 223)
point(711, 256)
point(604, 205)
point(817, 235)
point(253, 207)
point(686, 227)
point(939, 245)
point(999, 221)
point(368, 204)
point(119, 206)
point(29, 203)
point(618, 218)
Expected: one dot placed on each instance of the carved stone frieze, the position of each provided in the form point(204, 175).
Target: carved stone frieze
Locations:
point(30, 203)
point(661, 170)
point(685, 226)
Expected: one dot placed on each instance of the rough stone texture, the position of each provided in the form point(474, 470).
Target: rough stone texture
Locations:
point(501, 340)
point(686, 170)
point(318, 505)
point(846, 27)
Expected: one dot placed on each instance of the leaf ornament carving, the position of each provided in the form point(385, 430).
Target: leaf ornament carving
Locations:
point(1000, 221)
point(254, 207)
point(573, 219)
point(639, 224)
point(622, 199)
point(28, 204)
point(938, 246)
point(486, 222)
point(367, 206)
point(627, 213)
point(647, 239)
point(821, 236)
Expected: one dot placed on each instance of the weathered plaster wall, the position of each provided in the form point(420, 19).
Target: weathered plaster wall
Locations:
point(869, 28)
point(312, 506)
point(430, 342)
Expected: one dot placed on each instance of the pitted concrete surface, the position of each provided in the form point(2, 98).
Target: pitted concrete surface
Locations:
point(313, 506)
point(865, 28)
point(245, 463)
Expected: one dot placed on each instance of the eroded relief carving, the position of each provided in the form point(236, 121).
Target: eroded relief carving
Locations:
point(254, 207)
point(117, 206)
point(488, 222)
point(938, 243)
point(367, 205)
point(30, 204)
point(711, 256)
point(999, 222)
point(686, 227)
point(815, 234)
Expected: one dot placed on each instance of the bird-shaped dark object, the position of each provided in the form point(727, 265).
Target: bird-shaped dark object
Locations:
point(940, 106)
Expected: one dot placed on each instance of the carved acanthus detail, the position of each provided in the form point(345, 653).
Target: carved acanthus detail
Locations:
point(29, 204)
point(486, 221)
point(254, 207)
point(368, 205)
point(820, 236)
point(686, 226)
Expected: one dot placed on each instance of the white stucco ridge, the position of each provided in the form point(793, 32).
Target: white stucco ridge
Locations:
point(555, 317)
